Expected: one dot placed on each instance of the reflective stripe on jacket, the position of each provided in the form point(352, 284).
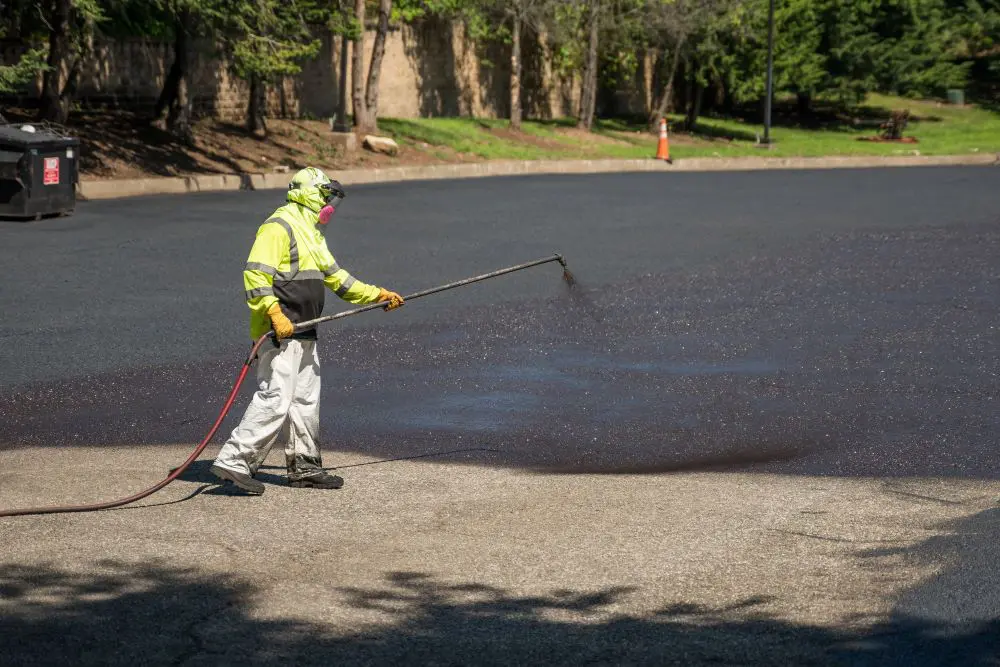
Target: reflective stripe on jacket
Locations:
point(290, 264)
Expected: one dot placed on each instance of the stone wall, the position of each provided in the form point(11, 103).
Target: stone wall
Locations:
point(130, 73)
point(430, 69)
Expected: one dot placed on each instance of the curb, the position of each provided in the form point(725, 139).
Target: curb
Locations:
point(113, 189)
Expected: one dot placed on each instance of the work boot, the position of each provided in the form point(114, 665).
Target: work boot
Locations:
point(245, 482)
point(324, 480)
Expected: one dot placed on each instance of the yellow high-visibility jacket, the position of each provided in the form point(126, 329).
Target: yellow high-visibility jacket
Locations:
point(290, 264)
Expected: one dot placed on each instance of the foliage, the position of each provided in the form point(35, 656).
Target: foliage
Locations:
point(623, 24)
point(919, 42)
point(800, 62)
point(90, 10)
point(268, 38)
point(13, 77)
point(824, 49)
point(844, 50)
point(566, 29)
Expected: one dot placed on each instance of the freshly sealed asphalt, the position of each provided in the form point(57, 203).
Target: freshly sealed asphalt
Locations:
point(815, 322)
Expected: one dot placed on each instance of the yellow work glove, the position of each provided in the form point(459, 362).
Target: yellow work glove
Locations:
point(395, 300)
point(283, 327)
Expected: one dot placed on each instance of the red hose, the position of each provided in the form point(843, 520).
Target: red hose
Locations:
point(177, 472)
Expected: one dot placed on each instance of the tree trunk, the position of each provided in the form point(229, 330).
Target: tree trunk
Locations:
point(174, 100)
point(804, 103)
point(375, 68)
point(694, 100)
point(168, 93)
point(362, 123)
point(588, 96)
point(697, 92)
point(340, 124)
point(682, 93)
point(728, 102)
point(255, 106)
point(515, 73)
point(663, 104)
point(54, 105)
point(716, 93)
point(179, 118)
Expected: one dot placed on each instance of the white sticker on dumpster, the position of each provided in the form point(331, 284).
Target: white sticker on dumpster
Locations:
point(51, 174)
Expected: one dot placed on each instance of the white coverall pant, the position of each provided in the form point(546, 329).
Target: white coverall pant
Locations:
point(286, 405)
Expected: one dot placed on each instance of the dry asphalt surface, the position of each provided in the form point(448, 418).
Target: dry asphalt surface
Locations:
point(762, 429)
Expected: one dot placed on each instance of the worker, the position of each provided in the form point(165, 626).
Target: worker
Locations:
point(284, 278)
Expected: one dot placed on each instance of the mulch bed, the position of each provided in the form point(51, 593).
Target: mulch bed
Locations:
point(884, 140)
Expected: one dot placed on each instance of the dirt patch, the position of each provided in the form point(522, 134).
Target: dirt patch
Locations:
point(886, 140)
point(516, 136)
point(638, 138)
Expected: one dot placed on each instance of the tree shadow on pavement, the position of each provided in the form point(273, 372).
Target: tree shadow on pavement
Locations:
point(154, 613)
point(963, 597)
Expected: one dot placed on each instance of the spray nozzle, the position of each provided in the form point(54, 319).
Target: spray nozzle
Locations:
point(567, 276)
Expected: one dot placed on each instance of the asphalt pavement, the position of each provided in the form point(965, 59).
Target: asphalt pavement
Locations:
point(812, 322)
point(761, 428)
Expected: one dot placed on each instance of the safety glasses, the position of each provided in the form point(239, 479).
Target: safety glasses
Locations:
point(332, 193)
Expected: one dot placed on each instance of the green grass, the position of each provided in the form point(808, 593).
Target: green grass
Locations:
point(472, 136)
point(940, 130)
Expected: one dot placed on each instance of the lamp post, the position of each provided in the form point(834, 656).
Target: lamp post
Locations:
point(770, 74)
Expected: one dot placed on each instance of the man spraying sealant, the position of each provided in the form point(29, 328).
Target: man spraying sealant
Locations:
point(288, 267)
point(285, 276)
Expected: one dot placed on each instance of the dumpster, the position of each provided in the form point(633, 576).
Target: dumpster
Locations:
point(38, 171)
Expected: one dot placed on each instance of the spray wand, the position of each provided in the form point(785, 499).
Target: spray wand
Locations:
point(567, 276)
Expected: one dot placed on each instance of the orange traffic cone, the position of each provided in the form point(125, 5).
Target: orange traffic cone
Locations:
point(663, 147)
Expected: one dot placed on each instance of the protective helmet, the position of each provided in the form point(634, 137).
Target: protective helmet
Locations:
point(313, 189)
